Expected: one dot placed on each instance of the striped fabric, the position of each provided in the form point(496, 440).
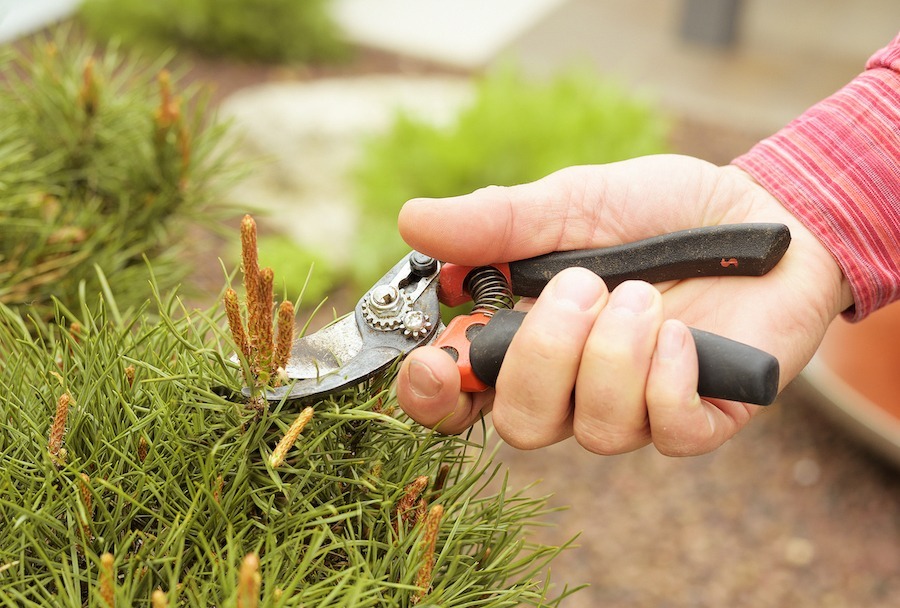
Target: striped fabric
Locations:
point(837, 168)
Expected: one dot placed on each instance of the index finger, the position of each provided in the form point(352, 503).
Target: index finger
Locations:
point(499, 223)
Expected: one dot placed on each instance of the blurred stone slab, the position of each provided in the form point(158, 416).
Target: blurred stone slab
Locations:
point(21, 17)
point(462, 33)
point(300, 140)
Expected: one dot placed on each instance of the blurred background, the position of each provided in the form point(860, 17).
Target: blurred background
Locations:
point(334, 112)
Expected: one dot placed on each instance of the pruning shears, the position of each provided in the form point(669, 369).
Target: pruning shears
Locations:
point(401, 312)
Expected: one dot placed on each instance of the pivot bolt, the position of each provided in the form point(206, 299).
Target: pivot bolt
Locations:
point(422, 265)
point(385, 301)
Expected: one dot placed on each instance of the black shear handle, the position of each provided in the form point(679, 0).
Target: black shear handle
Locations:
point(728, 369)
point(727, 250)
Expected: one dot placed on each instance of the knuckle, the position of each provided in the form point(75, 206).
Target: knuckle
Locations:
point(515, 434)
point(606, 440)
point(685, 440)
point(539, 345)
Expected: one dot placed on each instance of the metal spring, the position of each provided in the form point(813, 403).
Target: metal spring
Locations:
point(490, 290)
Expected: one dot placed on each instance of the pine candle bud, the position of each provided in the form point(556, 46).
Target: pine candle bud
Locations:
point(58, 430)
point(440, 481)
point(290, 438)
point(235, 322)
point(129, 375)
point(169, 111)
point(285, 335)
point(250, 261)
point(143, 449)
point(107, 580)
point(217, 491)
point(86, 497)
point(159, 599)
point(429, 545)
point(88, 96)
point(265, 341)
point(409, 501)
point(249, 581)
point(75, 330)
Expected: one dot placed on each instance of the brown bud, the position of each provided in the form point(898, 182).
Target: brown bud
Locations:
point(143, 449)
point(235, 322)
point(58, 429)
point(250, 259)
point(405, 510)
point(217, 491)
point(89, 95)
point(168, 112)
point(86, 496)
point(87, 503)
point(440, 481)
point(265, 341)
point(129, 375)
point(285, 335)
point(428, 547)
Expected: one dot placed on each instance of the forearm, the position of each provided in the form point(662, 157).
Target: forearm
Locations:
point(837, 168)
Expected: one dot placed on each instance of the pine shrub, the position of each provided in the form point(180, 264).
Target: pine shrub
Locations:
point(102, 164)
point(134, 472)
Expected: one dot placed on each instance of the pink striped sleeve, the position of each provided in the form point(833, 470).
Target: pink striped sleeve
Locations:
point(837, 168)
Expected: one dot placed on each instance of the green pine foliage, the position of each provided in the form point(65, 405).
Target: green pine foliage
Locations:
point(131, 464)
point(102, 165)
point(515, 130)
point(260, 30)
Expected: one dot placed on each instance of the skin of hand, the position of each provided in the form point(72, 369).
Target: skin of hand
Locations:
point(618, 370)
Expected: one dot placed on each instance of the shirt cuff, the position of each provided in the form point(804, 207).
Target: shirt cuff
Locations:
point(837, 168)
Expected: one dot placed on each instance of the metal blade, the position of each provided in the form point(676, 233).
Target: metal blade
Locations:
point(325, 351)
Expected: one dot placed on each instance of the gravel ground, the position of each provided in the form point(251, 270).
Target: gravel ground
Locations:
point(788, 513)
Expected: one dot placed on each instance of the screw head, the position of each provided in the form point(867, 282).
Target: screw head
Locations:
point(416, 324)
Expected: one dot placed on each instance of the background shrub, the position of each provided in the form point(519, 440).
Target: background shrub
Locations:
point(266, 30)
point(515, 131)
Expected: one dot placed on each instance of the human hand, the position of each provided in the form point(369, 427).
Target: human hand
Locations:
point(619, 370)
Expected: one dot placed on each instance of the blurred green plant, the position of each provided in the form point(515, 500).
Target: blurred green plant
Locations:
point(516, 130)
point(302, 272)
point(259, 30)
point(103, 166)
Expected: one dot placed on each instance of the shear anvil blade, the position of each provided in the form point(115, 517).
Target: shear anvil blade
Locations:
point(325, 351)
point(366, 364)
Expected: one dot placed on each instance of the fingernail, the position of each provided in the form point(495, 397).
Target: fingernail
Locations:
point(578, 287)
point(422, 381)
point(670, 343)
point(633, 296)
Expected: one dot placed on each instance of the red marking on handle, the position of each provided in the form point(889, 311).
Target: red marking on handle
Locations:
point(726, 263)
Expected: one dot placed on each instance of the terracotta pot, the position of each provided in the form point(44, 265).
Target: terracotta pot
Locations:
point(855, 377)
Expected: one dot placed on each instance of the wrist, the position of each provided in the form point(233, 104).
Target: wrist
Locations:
point(813, 253)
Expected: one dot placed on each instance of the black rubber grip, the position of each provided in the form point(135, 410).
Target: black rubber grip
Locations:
point(728, 250)
point(728, 369)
